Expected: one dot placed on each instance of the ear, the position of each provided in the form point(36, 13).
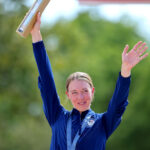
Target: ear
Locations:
point(93, 89)
point(67, 94)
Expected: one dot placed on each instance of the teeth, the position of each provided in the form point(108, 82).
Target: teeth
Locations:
point(81, 103)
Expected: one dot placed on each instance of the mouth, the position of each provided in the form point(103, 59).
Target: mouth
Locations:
point(82, 103)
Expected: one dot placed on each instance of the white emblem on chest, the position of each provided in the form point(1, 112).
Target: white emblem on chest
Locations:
point(91, 122)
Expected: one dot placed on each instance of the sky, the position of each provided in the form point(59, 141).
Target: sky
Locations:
point(69, 9)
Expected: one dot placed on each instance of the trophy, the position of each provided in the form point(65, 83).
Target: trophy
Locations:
point(30, 18)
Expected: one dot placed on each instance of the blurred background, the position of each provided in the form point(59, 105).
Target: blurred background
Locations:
point(77, 38)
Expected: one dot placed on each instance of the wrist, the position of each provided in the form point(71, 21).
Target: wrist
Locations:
point(125, 70)
point(36, 36)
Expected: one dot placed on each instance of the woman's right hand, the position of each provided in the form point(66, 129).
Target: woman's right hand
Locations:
point(35, 32)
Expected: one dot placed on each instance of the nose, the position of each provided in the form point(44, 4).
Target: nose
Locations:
point(81, 96)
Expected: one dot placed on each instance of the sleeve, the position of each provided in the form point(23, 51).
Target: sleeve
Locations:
point(117, 105)
point(51, 102)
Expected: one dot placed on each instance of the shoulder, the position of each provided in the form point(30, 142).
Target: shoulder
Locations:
point(97, 116)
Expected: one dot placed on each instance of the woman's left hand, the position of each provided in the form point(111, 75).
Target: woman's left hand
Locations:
point(133, 57)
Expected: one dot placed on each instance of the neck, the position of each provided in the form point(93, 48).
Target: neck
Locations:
point(81, 111)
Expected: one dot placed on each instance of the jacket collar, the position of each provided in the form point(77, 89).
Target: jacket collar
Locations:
point(83, 114)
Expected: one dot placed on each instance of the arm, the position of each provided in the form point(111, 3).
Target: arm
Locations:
point(51, 103)
point(118, 103)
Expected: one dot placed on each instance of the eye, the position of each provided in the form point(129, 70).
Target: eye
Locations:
point(85, 90)
point(74, 93)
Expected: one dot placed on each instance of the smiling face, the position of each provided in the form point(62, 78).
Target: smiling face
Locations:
point(81, 94)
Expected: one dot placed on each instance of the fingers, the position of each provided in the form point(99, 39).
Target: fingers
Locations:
point(142, 51)
point(144, 56)
point(140, 48)
point(136, 46)
point(125, 49)
point(36, 26)
point(39, 17)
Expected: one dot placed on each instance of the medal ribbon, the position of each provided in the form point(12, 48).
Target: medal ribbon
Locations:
point(72, 145)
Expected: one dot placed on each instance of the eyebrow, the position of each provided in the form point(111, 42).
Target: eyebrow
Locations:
point(76, 90)
point(73, 90)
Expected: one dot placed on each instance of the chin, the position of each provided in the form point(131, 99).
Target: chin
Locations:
point(83, 109)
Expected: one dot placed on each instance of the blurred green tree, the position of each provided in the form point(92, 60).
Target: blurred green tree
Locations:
point(88, 43)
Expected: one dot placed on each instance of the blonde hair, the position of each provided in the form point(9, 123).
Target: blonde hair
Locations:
point(79, 76)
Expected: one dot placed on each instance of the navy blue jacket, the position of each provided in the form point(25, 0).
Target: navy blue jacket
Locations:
point(94, 137)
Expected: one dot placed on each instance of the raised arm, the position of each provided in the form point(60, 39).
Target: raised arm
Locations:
point(51, 103)
point(118, 103)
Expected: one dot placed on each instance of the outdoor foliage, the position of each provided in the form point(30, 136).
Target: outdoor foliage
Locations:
point(89, 44)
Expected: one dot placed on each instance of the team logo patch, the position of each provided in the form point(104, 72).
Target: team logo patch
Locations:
point(91, 122)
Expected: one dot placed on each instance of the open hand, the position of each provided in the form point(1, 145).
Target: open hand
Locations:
point(135, 55)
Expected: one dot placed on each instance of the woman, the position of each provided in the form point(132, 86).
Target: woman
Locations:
point(82, 129)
